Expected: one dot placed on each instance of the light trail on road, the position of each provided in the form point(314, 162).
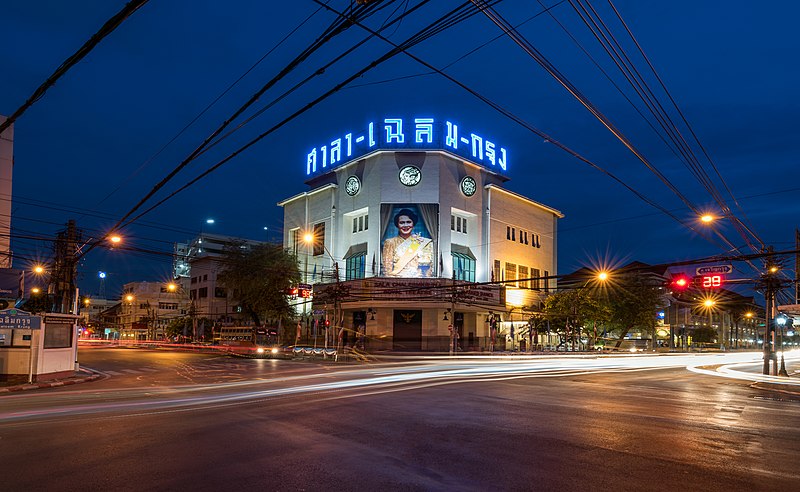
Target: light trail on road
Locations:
point(366, 380)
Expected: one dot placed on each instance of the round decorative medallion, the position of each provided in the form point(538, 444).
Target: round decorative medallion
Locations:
point(468, 186)
point(410, 175)
point(352, 186)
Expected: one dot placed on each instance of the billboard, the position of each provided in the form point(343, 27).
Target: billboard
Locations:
point(408, 240)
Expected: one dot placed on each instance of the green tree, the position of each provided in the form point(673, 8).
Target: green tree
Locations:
point(573, 311)
point(258, 277)
point(633, 300)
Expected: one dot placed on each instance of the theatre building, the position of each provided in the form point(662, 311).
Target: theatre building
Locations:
point(409, 239)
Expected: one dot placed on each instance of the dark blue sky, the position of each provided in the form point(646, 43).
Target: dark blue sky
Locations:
point(84, 151)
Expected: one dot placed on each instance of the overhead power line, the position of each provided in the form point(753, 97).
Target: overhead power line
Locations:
point(453, 17)
point(335, 28)
point(84, 50)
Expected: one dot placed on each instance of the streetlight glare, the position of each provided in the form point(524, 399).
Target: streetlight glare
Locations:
point(129, 298)
point(35, 290)
point(708, 303)
point(172, 287)
point(209, 221)
point(602, 276)
point(115, 239)
point(38, 269)
point(707, 218)
point(308, 237)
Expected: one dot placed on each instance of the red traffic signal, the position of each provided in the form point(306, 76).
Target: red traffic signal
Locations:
point(680, 282)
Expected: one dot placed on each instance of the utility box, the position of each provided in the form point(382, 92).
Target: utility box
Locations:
point(37, 348)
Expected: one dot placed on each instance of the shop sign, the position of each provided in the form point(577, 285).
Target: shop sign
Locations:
point(15, 319)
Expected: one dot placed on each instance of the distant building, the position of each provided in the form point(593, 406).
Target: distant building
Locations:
point(415, 241)
point(91, 313)
point(197, 265)
point(147, 308)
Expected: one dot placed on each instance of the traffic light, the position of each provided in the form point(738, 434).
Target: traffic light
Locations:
point(680, 283)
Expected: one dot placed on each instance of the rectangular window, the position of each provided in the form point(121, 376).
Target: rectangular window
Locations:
point(463, 267)
point(319, 239)
point(537, 283)
point(521, 235)
point(194, 280)
point(294, 237)
point(508, 232)
point(526, 237)
point(360, 223)
point(202, 292)
point(356, 266)
point(205, 278)
point(496, 271)
point(168, 305)
point(193, 294)
point(523, 275)
point(58, 335)
point(464, 225)
point(513, 234)
point(546, 281)
point(452, 222)
point(511, 274)
point(220, 292)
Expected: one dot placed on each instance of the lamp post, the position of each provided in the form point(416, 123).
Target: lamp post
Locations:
point(781, 321)
point(310, 241)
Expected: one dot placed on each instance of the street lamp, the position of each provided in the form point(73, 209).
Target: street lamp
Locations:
point(707, 218)
point(781, 321)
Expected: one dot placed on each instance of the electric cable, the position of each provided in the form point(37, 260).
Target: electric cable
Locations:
point(84, 50)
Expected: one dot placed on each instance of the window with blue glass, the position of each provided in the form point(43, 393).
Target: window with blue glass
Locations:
point(356, 266)
point(463, 267)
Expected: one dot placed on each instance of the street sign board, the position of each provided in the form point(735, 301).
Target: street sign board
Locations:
point(715, 269)
point(16, 319)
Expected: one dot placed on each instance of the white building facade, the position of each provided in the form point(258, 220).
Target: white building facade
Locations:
point(476, 263)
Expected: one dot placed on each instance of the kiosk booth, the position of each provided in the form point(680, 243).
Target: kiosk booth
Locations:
point(37, 348)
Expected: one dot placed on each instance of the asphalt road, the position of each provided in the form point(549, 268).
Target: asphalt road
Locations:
point(183, 421)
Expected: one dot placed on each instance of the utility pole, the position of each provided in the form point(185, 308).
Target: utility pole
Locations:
point(65, 251)
point(770, 283)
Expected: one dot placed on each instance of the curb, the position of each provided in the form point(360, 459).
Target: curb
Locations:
point(51, 384)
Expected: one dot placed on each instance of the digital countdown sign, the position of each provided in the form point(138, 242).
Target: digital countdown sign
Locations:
point(407, 134)
point(710, 281)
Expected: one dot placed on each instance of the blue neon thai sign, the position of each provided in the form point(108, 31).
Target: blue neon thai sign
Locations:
point(407, 134)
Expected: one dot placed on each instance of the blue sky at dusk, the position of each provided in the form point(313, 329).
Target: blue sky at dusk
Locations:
point(103, 135)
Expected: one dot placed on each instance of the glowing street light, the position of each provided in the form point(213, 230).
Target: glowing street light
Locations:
point(707, 218)
point(115, 239)
point(172, 287)
point(35, 290)
point(129, 297)
point(38, 269)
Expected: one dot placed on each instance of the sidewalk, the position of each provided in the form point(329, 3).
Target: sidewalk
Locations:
point(81, 376)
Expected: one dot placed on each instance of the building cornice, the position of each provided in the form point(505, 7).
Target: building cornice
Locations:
point(492, 187)
point(329, 186)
